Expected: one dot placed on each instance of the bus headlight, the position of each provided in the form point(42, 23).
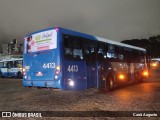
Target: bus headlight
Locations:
point(121, 76)
point(145, 73)
point(153, 64)
point(56, 77)
point(71, 83)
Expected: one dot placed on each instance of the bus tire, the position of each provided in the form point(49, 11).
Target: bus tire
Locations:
point(19, 75)
point(110, 83)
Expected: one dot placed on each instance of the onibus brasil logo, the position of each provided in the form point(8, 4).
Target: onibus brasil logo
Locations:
point(21, 114)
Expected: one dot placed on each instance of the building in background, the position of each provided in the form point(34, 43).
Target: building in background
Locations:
point(7, 57)
point(11, 50)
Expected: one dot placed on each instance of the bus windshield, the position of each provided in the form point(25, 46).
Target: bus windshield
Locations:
point(41, 41)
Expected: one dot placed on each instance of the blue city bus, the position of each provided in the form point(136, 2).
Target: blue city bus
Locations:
point(70, 60)
point(11, 67)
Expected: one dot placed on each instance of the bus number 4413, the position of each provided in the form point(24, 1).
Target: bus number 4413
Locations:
point(49, 65)
point(73, 68)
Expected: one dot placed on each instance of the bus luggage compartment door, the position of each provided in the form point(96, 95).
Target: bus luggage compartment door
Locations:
point(75, 77)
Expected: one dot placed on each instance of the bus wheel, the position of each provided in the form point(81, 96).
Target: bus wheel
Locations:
point(110, 83)
point(19, 75)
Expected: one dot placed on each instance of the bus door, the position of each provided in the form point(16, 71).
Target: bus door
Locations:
point(129, 56)
point(3, 69)
point(131, 71)
point(74, 72)
point(91, 67)
point(74, 50)
point(75, 75)
point(10, 68)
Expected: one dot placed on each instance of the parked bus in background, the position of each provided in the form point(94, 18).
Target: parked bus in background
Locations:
point(70, 60)
point(11, 68)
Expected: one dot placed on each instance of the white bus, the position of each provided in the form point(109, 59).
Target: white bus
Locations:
point(11, 68)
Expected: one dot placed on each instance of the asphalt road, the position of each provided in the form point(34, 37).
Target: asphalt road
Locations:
point(135, 97)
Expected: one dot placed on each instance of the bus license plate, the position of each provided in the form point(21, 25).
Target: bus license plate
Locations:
point(39, 74)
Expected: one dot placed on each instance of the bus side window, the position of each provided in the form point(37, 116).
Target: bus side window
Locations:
point(111, 54)
point(135, 56)
point(15, 64)
point(86, 54)
point(142, 57)
point(9, 64)
point(93, 56)
point(120, 52)
point(5, 64)
point(68, 53)
point(77, 54)
point(1, 65)
point(88, 49)
point(127, 57)
point(72, 48)
point(101, 52)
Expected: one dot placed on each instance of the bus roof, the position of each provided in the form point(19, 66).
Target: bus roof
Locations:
point(12, 59)
point(104, 40)
point(120, 44)
point(72, 32)
point(157, 59)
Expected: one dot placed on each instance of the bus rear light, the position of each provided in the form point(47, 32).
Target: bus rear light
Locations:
point(58, 68)
point(24, 73)
point(23, 70)
point(57, 72)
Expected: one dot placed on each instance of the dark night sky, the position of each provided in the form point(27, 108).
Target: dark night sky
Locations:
point(112, 19)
